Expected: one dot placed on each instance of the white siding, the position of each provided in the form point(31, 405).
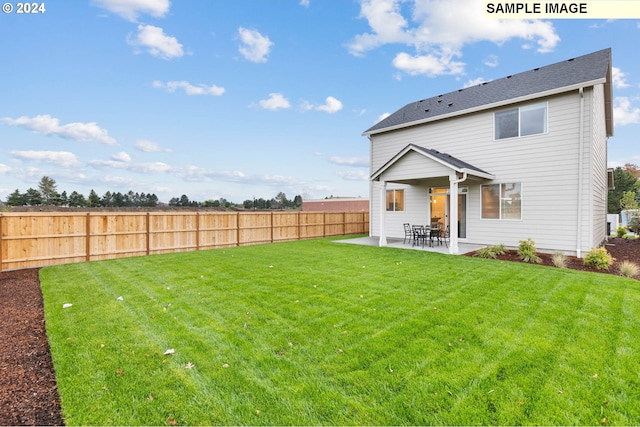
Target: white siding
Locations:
point(599, 175)
point(546, 165)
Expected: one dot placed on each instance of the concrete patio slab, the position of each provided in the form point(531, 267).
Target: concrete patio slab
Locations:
point(463, 248)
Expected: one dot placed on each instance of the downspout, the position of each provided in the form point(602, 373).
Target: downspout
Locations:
point(453, 214)
point(580, 185)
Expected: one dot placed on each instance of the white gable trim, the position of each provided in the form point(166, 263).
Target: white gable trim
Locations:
point(411, 148)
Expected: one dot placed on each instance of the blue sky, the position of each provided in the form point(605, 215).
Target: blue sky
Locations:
point(248, 98)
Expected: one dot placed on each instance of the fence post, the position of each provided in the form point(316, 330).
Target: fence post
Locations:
point(237, 228)
point(324, 224)
point(1, 220)
point(148, 233)
point(197, 231)
point(299, 233)
point(88, 236)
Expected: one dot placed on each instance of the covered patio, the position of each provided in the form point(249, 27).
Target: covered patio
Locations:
point(415, 165)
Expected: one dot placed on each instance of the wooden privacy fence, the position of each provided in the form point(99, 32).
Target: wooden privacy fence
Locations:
point(40, 239)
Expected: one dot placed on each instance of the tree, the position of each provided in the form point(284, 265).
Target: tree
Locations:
point(33, 197)
point(184, 200)
point(77, 200)
point(94, 199)
point(297, 201)
point(48, 190)
point(624, 181)
point(16, 199)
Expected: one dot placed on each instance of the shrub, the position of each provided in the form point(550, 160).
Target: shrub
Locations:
point(621, 231)
point(559, 259)
point(528, 252)
point(486, 252)
point(490, 251)
point(598, 258)
point(628, 269)
point(498, 249)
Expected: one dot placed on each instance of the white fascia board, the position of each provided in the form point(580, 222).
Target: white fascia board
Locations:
point(488, 106)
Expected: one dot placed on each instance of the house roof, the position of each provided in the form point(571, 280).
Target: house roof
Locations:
point(445, 159)
point(572, 74)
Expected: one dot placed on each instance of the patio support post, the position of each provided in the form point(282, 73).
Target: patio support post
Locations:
point(453, 211)
point(383, 211)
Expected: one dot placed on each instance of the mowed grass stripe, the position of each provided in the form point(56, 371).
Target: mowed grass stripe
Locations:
point(315, 332)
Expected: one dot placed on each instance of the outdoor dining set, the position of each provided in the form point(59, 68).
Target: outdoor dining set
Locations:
point(426, 234)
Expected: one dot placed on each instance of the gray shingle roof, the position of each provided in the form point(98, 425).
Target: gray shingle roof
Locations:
point(446, 159)
point(593, 67)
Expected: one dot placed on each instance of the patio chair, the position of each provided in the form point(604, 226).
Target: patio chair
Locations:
point(419, 234)
point(408, 232)
point(445, 236)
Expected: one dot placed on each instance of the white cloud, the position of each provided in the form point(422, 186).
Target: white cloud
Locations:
point(354, 175)
point(255, 47)
point(276, 101)
point(438, 30)
point(350, 161)
point(331, 105)
point(427, 64)
point(47, 125)
point(304, 3)
point(157, 42)
point(144, 168)
point(63, 159)
point(382, 116)
point(474, 82)
point(130, 9)
point(150, 146)
point(618, 78)
point(189, 89)
point(624, 113)
point(491, 61)
point(121, 157)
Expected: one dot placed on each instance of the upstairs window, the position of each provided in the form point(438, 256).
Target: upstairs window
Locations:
point(523, 121)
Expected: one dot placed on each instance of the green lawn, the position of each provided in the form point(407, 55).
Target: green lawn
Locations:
point(322, 333)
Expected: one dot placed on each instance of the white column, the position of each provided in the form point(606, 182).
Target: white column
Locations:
point(383, 211)
point(453, 214)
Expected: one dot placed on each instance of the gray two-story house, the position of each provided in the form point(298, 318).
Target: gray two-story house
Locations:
point(524, 156)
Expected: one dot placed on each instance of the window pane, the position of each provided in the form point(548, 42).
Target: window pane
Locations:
point(390, 203)
point(395, 200)
point(491, 201)
point(533, 119)
point(506, 124)
point(399, 200)
point(511, 201)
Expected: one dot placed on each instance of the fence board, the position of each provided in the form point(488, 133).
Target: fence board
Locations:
point(38, 239)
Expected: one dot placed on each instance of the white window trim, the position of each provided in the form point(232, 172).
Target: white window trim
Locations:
point(394, 198)
point(500, 218)
point(546, 121)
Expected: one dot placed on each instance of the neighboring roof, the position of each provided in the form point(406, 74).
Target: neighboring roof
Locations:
point(443, 158)
point(587, 70)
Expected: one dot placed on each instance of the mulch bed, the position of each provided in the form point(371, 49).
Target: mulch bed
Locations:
point(28, 389)
point(620, 250)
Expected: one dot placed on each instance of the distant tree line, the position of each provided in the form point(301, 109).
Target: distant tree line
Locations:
point(279, 202)
point(47, 195)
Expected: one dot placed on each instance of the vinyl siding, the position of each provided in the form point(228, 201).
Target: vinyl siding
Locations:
point(599, 175)
point(546, 165)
